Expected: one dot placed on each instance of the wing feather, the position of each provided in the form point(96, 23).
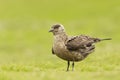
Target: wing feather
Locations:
point(80, 42)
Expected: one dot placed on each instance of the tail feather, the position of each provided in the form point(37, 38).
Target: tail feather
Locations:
point(106, 39)
point(98, 40)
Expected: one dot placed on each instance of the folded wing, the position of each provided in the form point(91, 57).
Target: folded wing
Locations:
point(83, 44)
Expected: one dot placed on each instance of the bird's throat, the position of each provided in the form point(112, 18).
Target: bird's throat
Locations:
point(60, 37)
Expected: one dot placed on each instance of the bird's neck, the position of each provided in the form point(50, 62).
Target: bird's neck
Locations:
point(62, 37)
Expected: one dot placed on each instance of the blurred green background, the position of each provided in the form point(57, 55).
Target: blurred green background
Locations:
point(25, 44)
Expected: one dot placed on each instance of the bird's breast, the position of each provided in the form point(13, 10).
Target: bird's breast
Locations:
point(59, 47)
point(62, 52)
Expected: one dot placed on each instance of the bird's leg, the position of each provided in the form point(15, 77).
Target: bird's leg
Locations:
point(68, 65)
point(73, 66)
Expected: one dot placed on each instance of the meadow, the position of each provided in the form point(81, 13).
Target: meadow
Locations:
point(25, 43)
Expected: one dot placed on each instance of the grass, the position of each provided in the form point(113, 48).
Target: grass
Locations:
point(25, 44)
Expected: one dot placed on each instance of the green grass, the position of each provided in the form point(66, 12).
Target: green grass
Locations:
point(25, 44)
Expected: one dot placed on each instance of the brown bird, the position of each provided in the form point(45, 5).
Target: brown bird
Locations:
point(74, 48)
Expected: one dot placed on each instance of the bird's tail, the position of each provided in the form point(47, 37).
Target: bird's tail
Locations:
point(106, 39)
point(98, 40)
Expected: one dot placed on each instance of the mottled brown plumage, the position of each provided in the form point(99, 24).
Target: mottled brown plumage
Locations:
point(74, 48)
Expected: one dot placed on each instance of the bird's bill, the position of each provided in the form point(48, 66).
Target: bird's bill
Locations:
point(51, 30)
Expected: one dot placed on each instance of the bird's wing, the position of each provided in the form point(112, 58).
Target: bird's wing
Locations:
point(80, 42)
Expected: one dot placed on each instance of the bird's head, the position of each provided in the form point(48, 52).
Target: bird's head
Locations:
point(57, 29)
